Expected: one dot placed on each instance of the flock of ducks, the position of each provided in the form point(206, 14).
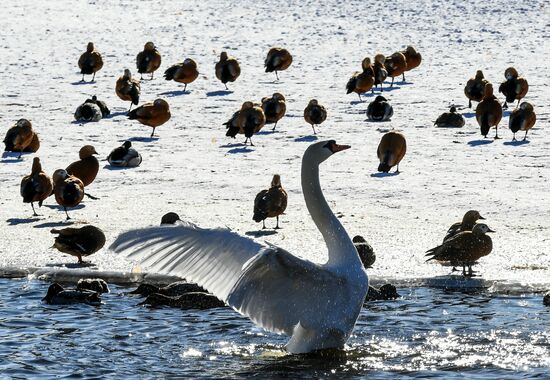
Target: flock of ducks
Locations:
point(68, 185)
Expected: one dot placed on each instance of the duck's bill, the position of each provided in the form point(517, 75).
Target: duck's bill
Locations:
point(482, 218)
point(490, 230)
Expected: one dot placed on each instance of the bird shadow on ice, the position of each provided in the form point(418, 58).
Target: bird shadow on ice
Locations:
point(80, 82)
point(382, 175)
point(112, 115)
point(517, 142)
point(141, 139)
point(60, 208)
point(260, 233)
point(85, 264)
point(219, 93)
point(480, 142)
point(175, 93)
point(268, 132)
point(309, 138)
point(110, 167)
point(54, 224)
point(469, 114)
point(243, 149)
point(16, 221)
point(13, 157)
point(388, 89)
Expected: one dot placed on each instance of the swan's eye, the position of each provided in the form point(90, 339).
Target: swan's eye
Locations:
point(330, 145)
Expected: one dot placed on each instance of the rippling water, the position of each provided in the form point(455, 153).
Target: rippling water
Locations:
point(426, 333)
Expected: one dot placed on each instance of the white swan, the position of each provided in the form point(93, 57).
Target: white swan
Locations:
point(317, 305)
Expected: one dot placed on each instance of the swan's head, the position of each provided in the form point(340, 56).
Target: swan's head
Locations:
point(322, 150)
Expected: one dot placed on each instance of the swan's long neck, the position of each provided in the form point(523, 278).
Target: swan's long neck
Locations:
point(341, 251)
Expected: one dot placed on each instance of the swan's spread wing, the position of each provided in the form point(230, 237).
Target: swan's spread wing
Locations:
point(277, 290)
point(213, 258)
point(273, 288)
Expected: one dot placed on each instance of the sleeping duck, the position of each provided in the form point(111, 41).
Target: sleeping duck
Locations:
point(58, 296)
point(522, 119)
point(88, 111)
point(185, 72)
point(475, 88)
point(227, 69)
point(20, 137)
point(451, 119)
point(68, 189)
point(148, 60)
point(270, 203)
point(314, 114)
point(124, 156)
point(128, 88)
point(36, 186)
point(379, 109)
point(277, 59)
point(413, 58)
point(79, 242)
point(152, 114)
point(90, 62)
point(250, 120)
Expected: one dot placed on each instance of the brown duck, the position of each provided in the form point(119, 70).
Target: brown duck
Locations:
point(451, 119)
point(475, 88)
point(488, 112)
point(277, 59)
point(391, 150)
point(79, 242)
point(274, 108)
point(361, 82)
point(227, 69)
point(250, 120)
point(514, 87)
point(413, 58)
point(128, 88)
point(365, 251)
point(86, 168)
point(19, 137)
point(270, 203)
point(314, 114)
point(68, 190)
point(148, 60)
point(395, 64)
point(185, 72)
point(522, 119)
point(36, 186)
point(467, 224)
point(90, 62)
point(380, 72)
point(464, 249)
point(152, 114)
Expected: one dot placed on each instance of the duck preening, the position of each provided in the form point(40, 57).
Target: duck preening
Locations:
point(270, 203)
point(20, 137)
point(380, 72)
point(522, 119)
point(451, 119)
point(128, 88)
point(249, 120)
point(36, 186)
point(227, 69)
point(412, 57)
point(79, 242)
point(314, 114)
point(395, 64)
point(475, 88)
point(274, 108)
point(275, 289)
point(68, 190)
point(90, 62)
point(185, 72)
point(379, 109)
point(361, 82)
point(464, 249)
point(58, 296)
point(152, 114)
point(391, 150)
point(467, 224)
point(514, 87)
point(148, 60)
point(124, 156)
point(277, 59)
point(488, 112)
